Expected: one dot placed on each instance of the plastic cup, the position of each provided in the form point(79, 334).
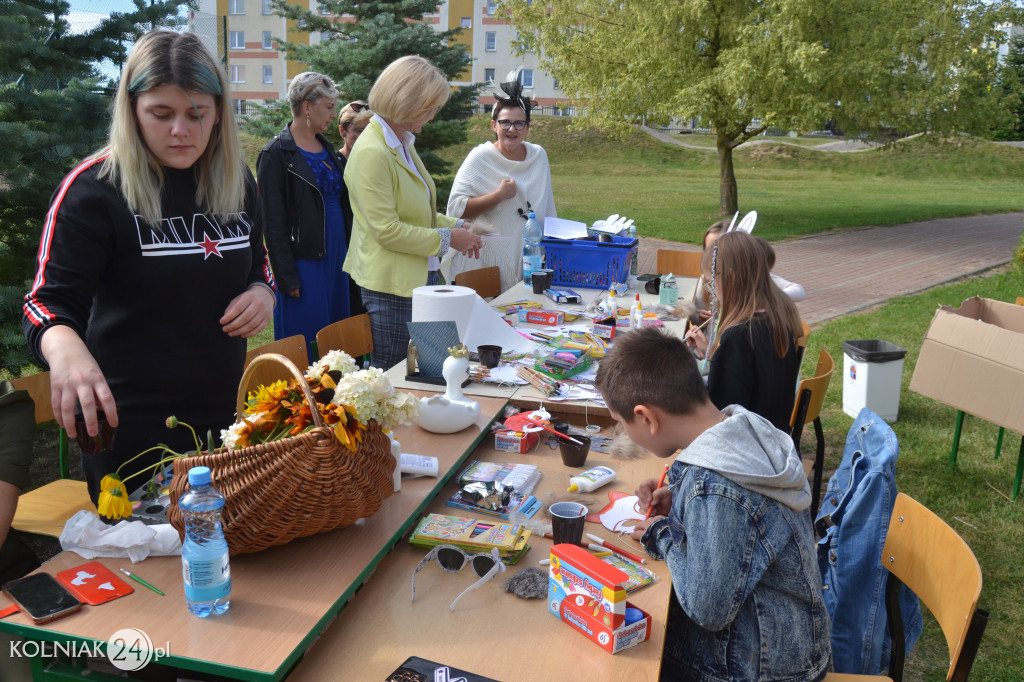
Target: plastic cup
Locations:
point(102, 442)
point(489, 355)
point(541, 281)
point(567, 519)
point(574, 455)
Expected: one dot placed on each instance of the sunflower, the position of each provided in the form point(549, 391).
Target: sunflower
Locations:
point(267, 398)
point(114, 502)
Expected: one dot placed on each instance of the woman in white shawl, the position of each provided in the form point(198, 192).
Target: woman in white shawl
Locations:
point(498, 184)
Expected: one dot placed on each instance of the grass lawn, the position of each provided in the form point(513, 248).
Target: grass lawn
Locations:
point(672, 192)
point(973, 498)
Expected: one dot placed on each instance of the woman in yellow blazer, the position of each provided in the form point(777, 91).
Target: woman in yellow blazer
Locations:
point(398, 236)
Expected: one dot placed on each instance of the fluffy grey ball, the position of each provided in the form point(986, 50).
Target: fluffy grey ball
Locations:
point(529, 583)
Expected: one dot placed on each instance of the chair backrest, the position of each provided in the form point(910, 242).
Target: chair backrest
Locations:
point(1020, 300)
point(484, 281)
point(817, 385)
point(802, 340)
point(685, 263)
point(292, 347)
point(930, 558)
point(38, 387)
point(351, 335)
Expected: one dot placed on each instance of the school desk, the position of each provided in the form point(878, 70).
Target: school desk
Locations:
point(491, 632)
point(282, 599)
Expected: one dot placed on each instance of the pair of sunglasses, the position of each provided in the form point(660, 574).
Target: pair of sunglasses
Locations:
point(358, 106)
point(452, 559)
point(525, 215)
point(324, 81)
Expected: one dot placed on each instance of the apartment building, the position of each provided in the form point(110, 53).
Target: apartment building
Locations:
point(242, 32)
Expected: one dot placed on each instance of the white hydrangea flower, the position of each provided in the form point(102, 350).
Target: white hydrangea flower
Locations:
point(333, 360)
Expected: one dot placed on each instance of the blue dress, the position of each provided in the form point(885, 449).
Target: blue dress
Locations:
point(324, 292)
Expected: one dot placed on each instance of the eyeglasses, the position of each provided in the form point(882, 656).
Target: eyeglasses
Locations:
point(358, 106)
point(324, 81)
point(452, 559)
point(525, 215)
point(506, 124)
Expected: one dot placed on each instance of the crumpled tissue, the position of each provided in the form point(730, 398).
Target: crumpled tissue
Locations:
point(88, 536)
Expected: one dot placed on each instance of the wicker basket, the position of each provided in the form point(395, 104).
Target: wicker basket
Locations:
point(293, 487)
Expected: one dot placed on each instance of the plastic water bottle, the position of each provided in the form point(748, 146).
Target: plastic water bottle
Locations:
point(634, 268)
point(669, 292)
point(533, 250)
point(204, 554)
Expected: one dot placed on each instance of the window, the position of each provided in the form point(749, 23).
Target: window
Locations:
point(492, 6)
point(301, 23)
point(491, 42)
point(526, 78)
point(236, 6)
point(467, 22)
point(238, 105)
point(325, 36)
point(268, 41)
point(488, 75)
point(554, 84)
point(237, 74)
point(268, 74)
point(236, 40)
point(267, 9)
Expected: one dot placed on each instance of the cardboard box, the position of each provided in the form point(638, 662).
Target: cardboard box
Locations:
point(972, 359)
point(548, 317)
point(516, 441)
point(588, 595)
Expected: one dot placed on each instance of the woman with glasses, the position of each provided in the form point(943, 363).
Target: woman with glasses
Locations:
point(352, 121)
point(499, 183)
point(306, 214)
point(398, 236)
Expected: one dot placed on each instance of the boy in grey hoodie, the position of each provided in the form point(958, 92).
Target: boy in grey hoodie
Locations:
point(732, 522)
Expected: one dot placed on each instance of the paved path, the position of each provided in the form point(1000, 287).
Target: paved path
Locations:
point(847, 271)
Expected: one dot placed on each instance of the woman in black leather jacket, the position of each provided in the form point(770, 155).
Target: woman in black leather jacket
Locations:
point(306, 214)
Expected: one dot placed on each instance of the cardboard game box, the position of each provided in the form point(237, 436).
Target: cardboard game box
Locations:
point(588, 595)
point(972, 359)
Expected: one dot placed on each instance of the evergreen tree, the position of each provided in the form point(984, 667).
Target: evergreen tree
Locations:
point(53, 112)
point(383, 31)
point(1010, 86)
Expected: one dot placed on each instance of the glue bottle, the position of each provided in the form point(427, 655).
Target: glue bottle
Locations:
point(633, 308)
point(591, 479)
point(638, 317)
point(613, 306)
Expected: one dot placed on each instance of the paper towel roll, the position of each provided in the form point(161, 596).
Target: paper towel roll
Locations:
point(443, 302)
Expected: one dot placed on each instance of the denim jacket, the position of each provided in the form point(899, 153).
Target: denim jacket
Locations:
point(742, 564)
point(853, 521)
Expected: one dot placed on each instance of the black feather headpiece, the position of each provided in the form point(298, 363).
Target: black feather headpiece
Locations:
point(513, 89)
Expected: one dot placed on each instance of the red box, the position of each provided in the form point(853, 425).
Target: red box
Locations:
point(548, 317)
point(516, 441)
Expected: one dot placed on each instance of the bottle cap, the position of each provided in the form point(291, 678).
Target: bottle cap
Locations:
point(574, 488)
point(199, 476)
point(532, 215)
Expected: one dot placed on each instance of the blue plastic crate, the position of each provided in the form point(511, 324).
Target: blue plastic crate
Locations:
point(584, 263)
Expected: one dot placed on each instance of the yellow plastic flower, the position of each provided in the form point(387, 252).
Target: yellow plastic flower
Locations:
point(114, 502)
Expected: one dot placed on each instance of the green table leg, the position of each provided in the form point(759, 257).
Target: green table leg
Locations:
point(999, 441)
point(1020, 470)
point(956, 437)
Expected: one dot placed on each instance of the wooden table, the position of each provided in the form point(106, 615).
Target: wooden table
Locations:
point(491, 632)
point(282, 599)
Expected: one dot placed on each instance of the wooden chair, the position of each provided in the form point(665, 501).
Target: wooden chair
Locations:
point(351, 335)
point(684, 263)
point(484, 281)
point(45, 510)
point(807, 408)
point(801, 342)
point(922, 552)
point(292, 347)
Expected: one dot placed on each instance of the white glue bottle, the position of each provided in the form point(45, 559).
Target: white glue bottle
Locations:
point(591, 479)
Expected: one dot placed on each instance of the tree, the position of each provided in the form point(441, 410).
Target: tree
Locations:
point(743, 66)
point(1010, 85)
point(383, 31)
point(53, 112)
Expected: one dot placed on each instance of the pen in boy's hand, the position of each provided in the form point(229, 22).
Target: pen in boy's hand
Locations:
point(661, 482)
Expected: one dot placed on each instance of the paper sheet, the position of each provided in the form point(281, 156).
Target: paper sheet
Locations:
point(564, 229)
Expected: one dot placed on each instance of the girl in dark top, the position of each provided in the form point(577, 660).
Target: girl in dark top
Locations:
point(753, 358)
point(151, 270)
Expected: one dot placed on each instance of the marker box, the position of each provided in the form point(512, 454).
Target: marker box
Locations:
point(588, 595)
point(516, 441)
point(548, 317)
point(563, 295)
